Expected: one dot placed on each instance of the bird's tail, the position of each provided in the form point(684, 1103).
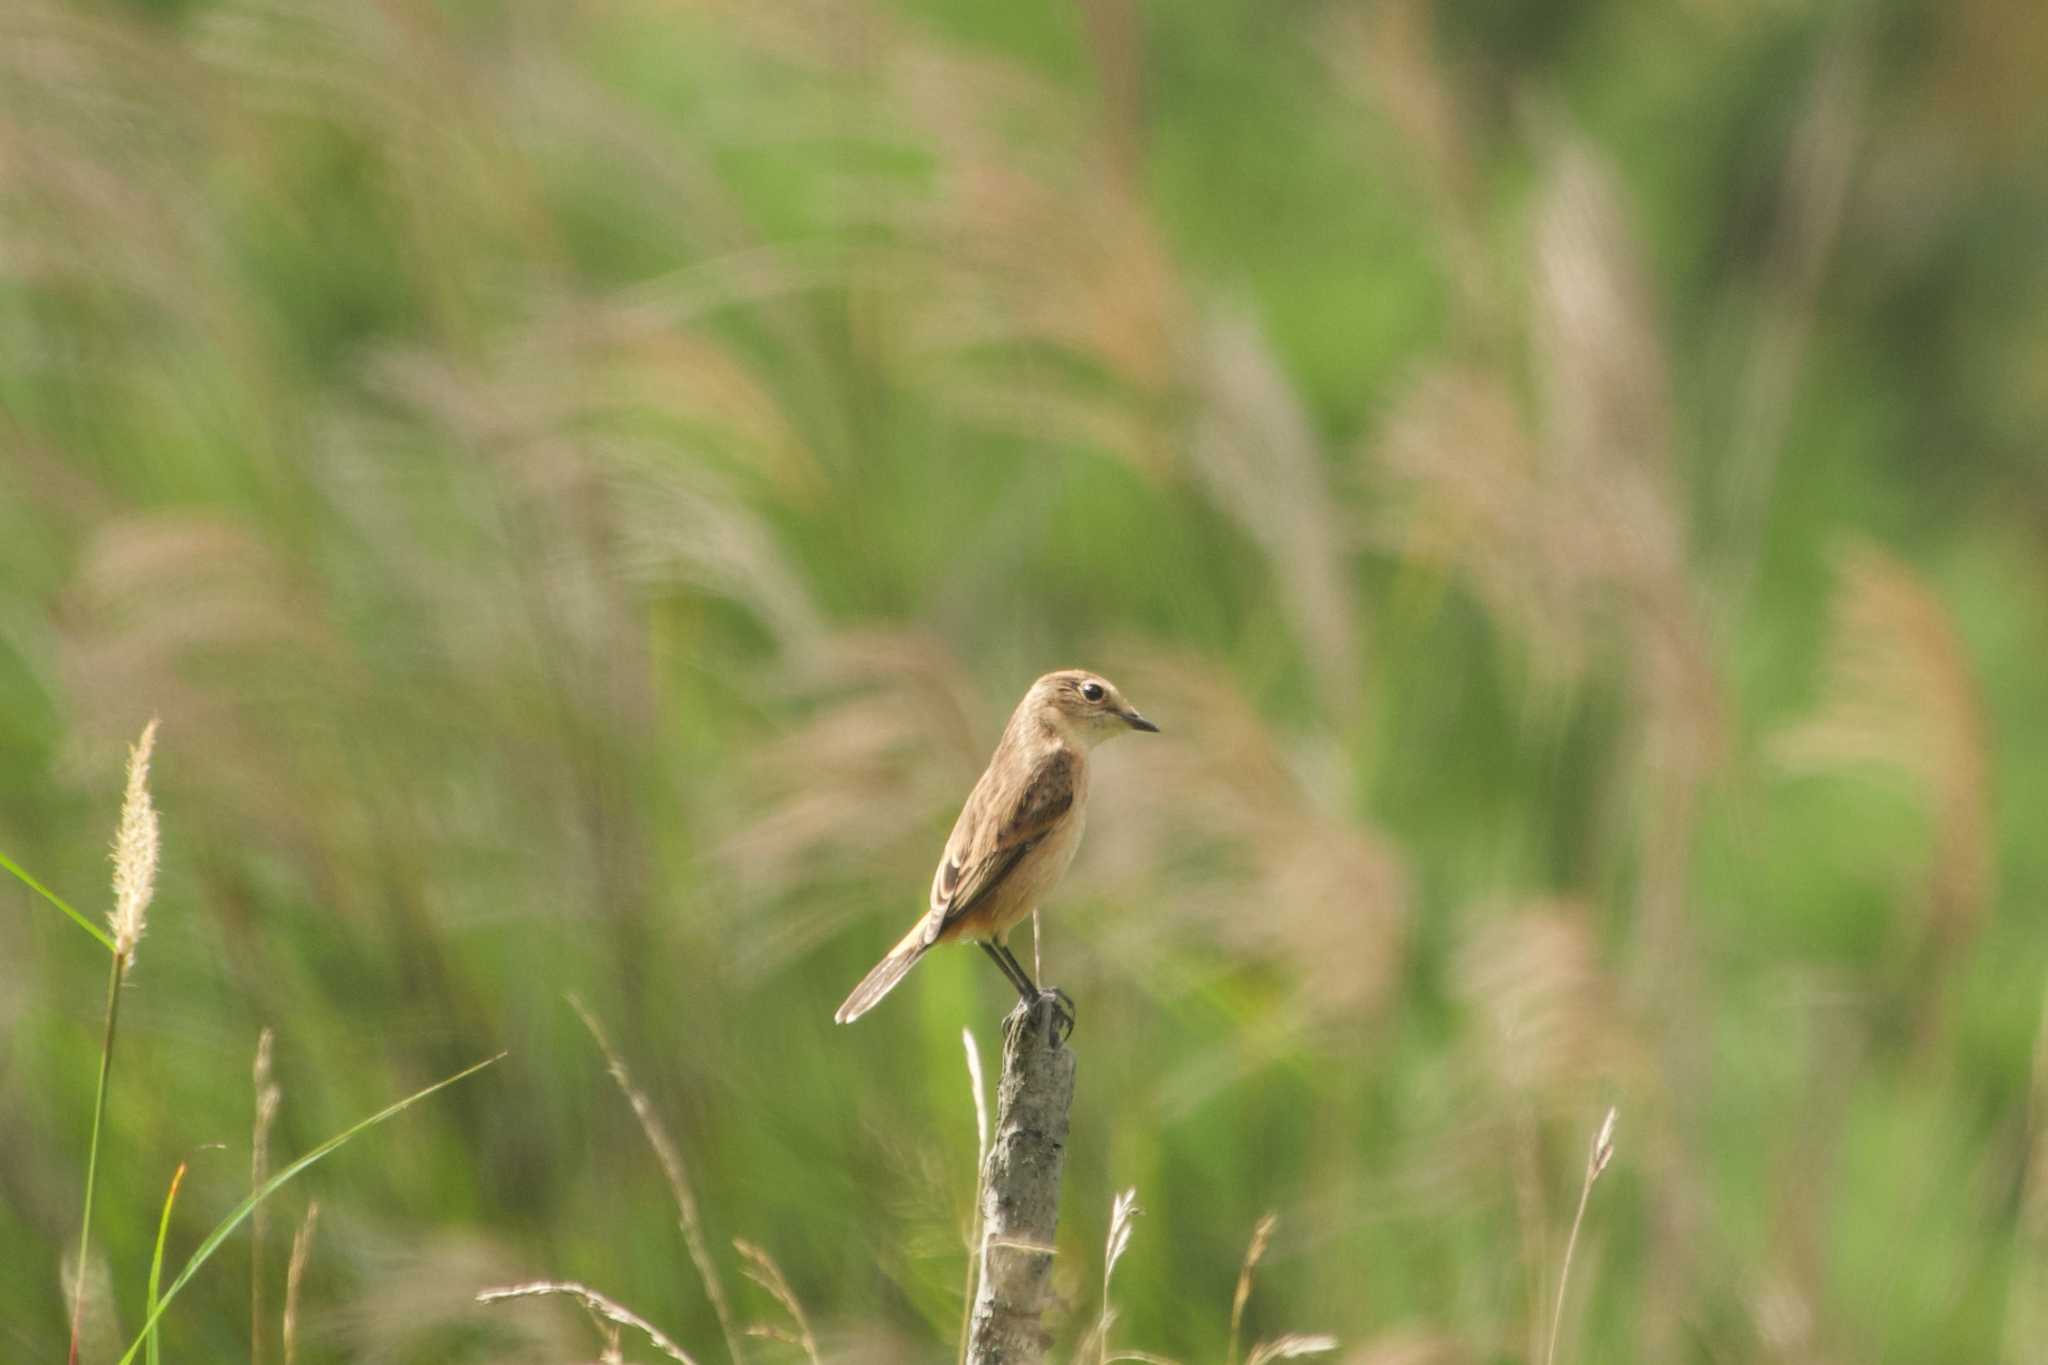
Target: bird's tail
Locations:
point(884, 977)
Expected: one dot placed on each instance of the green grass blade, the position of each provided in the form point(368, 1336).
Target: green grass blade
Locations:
point(156, 1262)
point(106, 939)
point(271, 1186)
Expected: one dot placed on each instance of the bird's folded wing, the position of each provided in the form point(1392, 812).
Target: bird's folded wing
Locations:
point(1010, 811)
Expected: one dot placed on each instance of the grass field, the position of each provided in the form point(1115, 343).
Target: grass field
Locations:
point(581, 486)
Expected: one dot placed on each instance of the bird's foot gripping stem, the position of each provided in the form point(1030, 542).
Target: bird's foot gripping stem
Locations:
point(1058, 1008)
point(1055, 1004)
point(1054, 1007)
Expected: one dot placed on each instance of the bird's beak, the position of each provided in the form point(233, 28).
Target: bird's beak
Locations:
point(1138, 722)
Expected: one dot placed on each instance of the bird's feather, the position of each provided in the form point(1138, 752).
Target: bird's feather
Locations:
point(1010, 810)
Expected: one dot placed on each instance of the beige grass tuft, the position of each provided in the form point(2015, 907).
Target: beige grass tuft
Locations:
point(1262, 1237)
point(1291, 1347)
point(295, 1275)
point(268, 1098)
point(762, 1270)
point(609, 1309)
point(136, 849)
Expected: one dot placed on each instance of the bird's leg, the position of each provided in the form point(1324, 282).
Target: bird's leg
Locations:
point(1061, 1004)
point(1010, 970)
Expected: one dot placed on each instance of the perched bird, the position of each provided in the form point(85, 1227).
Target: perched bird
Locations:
point(1016, 835)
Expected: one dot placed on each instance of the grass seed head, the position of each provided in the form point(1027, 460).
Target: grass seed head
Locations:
point(135, 850)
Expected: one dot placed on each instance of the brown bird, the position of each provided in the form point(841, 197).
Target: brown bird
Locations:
point(1016, 834)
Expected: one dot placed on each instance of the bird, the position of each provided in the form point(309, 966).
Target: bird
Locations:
point(1015, 836)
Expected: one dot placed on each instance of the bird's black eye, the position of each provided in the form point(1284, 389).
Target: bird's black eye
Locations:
point(1092, 691)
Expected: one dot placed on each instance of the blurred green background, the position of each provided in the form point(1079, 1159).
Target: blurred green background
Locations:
point(583, 485)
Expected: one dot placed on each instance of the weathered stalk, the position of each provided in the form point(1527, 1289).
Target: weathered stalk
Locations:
point(1020, 1192)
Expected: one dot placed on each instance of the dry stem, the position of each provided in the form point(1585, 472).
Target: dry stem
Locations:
point(1021, 1192)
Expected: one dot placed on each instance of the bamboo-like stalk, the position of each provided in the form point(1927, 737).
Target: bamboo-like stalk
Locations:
point(1020, 1195)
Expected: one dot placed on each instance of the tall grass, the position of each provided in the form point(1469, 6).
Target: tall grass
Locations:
point(136, 853)
point(137, 845)
point(581, 484)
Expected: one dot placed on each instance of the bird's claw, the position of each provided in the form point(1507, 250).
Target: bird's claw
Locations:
point(1055, 1006)
point(1059, 1009)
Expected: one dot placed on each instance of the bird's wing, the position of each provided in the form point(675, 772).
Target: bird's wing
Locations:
point(1005, 817)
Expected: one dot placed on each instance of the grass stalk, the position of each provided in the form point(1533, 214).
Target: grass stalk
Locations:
point(762, 1270)
point(980, 1086)
point(1262, 1236)
point(670, 1158)
point(1596, 1162)
point(268, 1097)
point(115, 972)
point(295, 1274)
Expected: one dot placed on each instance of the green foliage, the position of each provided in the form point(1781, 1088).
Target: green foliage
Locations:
point(582, 485)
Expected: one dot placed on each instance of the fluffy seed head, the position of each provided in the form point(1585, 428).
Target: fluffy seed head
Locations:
point(135, 850)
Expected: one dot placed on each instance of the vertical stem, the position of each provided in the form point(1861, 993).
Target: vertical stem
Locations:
point(1564, 1277)
point(92, 1160)
point(1021, 1191)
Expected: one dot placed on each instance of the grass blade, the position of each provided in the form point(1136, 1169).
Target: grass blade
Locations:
point(20, 872)
point(156, 1261)
point(271, 1186)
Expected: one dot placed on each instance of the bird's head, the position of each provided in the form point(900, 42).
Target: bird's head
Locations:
point(1084, 708)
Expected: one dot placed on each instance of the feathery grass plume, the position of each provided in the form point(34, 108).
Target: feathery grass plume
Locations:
point(1532, 974)
point(1480, 503)
point(684, 527)
point(1597, 1158)
point(1047, 251)
point(1334, 890)
point(92, 204)
point(1385, 58)
point(670, 1159)
point(1545, 1006)
point(609, 1309)
point(98, 1328)
point(762, 1270)
point(1595, 337)
point(1123, 1211)
point(295, 1273)
point(980, 1089)
point(1411, 1346)
point(1819, 172)
point(197, 612)
point(135, 859)
point(1899, 691)
point(1605, 396)
point(136, 848)
point(1262, 1235)
point(1256, 450)
point(268, 1097)
point(1293, 1346)
point(413, 1293)
point(892, 731)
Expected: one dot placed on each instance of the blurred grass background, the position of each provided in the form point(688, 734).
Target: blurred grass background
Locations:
point(582, 486)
